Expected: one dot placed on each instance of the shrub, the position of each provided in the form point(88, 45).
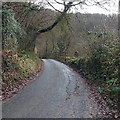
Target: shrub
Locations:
point(16, 67)
point(102, 67)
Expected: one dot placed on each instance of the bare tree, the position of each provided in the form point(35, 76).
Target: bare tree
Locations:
point(66, 7)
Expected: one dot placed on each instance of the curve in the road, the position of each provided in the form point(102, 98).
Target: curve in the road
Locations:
point(59, 92)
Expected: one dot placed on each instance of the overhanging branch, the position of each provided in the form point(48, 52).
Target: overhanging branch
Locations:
point(66, 8)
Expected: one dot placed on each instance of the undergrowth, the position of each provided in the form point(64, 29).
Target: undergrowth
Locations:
point(102, 68)
point(16, 67)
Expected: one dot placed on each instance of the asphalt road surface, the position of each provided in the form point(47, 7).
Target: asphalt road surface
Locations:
point(59, 92)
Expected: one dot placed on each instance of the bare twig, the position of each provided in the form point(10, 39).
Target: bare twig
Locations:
point(53, 7)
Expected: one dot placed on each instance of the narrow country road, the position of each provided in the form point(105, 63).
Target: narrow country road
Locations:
point(59, 92)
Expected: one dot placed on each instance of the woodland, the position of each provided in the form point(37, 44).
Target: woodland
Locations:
point(87, 42)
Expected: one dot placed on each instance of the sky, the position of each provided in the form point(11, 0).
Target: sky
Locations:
point(112, 7)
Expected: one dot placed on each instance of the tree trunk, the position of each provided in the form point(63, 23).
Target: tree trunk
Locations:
point(30, 46)
point(66, 8)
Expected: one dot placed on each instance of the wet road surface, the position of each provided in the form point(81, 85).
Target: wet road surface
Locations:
point(59, 92)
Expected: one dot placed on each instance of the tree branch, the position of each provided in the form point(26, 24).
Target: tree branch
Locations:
point(53, 7)
point(78, 3)
point(59, 2)
point(66, 8)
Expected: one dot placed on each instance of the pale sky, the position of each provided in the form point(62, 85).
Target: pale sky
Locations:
point(112, 7)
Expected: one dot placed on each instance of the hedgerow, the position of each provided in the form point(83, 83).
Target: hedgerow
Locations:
point(102, 67)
